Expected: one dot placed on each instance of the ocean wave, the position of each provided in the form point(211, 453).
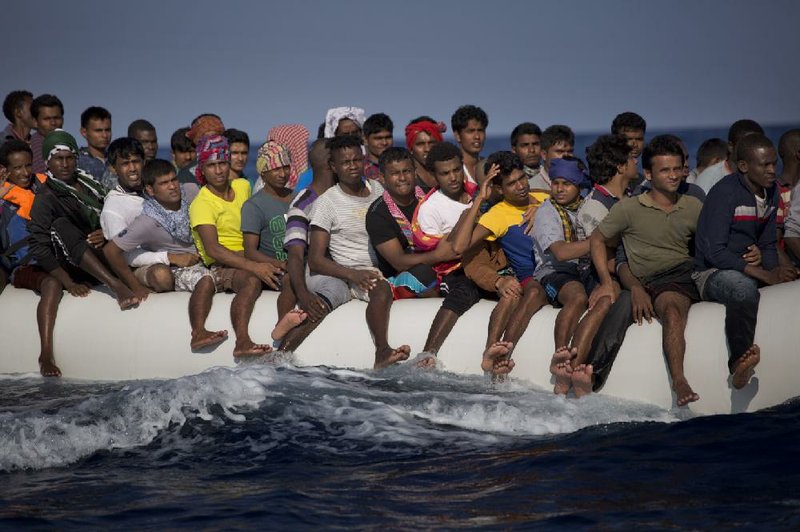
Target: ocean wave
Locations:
point(257, 409)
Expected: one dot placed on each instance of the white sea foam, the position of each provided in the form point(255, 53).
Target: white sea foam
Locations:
point(326, 410)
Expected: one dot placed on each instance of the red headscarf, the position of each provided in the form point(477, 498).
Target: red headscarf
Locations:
point(434, 130)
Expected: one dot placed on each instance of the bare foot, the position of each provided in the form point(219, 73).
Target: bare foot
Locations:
point(206, 338)
point(582, 380)
point(495, 358)
point(125, 298)
point(289, 321)
point(249, 349)
point(745, 367)
point(426, 360)
point(684, 392)
point(48, 368)
point(387, 356)
point(562, 369)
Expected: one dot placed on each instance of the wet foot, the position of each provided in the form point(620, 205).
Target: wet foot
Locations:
point(249, 349)
point(48, 368)
point(562, 370)
point(387, 356)
point(496, 358)
point(684, 392)
point(207, 338)
point(745, 367)
point(289, 321)
point(582, 380)
point(426, 360)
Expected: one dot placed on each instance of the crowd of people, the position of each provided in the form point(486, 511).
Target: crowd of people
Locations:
point(350, 216)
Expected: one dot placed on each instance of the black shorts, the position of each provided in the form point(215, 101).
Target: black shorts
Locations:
point(554, 282)
point(677, 279)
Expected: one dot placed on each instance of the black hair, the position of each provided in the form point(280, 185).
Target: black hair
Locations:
point(140, 125)
point(321, 131)
point(741, 128)
point(711, 149)
point(789, 143)
point(14, 100)
point(442, 151)
point(94, 113)
point(180, 142)
point(605, 157)
point(661, 145)
point(377, 123)
point(124, 147)
point(555, 134)
point(628, 121)
point(154, 169)
point(45, 100)
point(13, 146)
point(464, 114)
point(236, 135)
point(749, 144)
point(525, 128)
point(507, 162)
point(340, 143)
point(394, 155)
point(423, 118)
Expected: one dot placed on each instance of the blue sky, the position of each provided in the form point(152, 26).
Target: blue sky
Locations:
point(701, 63)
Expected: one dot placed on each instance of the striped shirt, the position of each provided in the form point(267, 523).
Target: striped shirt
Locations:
point(297, 219)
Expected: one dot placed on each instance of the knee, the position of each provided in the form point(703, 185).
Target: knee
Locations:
point(381, 292)
point(160, 279)
point(51, 286)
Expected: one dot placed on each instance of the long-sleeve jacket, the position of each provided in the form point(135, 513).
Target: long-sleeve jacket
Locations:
point(729, 223)
point(51, 204)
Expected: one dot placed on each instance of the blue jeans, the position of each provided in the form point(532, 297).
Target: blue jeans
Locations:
point(739, 293)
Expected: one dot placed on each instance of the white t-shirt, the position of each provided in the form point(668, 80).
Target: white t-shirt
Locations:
point(344, 217)
point(439, 214)
point(120, 209)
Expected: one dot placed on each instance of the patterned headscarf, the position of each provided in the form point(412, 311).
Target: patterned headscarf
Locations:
point(295, 138)
point(337, 114)
point(210, 148)
point(272, 155)
point(58, 140)
point(434, 130)
point(204, 126)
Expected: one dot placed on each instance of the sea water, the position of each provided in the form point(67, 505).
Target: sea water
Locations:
point(285, 447)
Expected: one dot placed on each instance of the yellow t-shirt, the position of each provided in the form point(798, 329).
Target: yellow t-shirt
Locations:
point(209, 209)
point(504, 215)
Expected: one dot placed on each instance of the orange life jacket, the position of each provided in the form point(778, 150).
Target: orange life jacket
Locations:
point(21, 197)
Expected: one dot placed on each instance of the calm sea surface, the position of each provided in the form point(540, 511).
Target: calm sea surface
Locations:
point(267, 447)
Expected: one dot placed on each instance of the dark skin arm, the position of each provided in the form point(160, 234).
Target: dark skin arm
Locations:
point(218, 252)
point(466, 233)
point(598, 245)
point(306, 300)
point(319, 263)
point(251, 252)
point(640, 300)
point(392, 251)
point(564, 251)
point(116, 259)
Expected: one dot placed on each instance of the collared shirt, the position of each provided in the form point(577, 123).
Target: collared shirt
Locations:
point(92, 165)
point(655, 240)
point(540, 181)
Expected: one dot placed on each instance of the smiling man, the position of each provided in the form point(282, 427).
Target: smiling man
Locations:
point(740, 212)
point(656, 228)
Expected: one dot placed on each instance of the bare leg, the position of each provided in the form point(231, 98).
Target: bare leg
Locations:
point(160, 279)
point(46, 312)
point(533, 299)
point(498, 320)
point(247, 288)
point(673, 310)
point(378, 309)
point(94, 267)
point(287, 299)
point(199, 307)
point(573, 298)
point(442, 325)
point(587, 329)
point(745, 367)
